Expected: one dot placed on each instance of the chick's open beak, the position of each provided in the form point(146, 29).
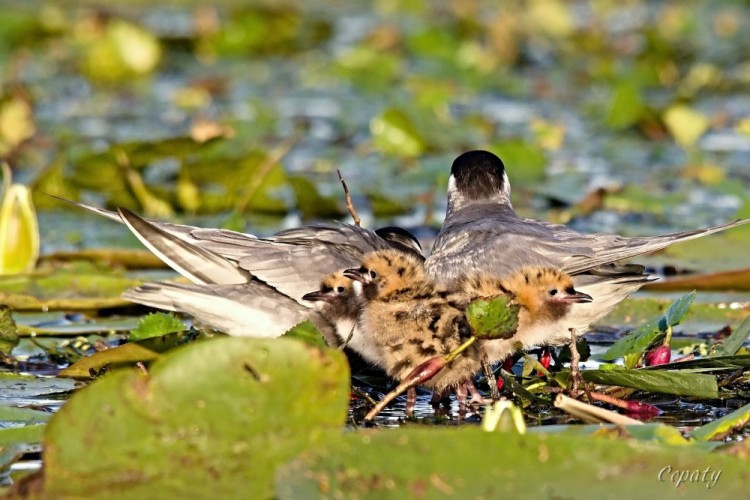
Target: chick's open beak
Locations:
point(577, 298)
point(355, 274)
point(317, 296)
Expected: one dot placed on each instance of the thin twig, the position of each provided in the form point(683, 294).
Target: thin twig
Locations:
point(489, 374)
point(349, 204)
point(575, 370)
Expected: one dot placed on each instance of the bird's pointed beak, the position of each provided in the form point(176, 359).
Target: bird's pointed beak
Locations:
point(577, 298)
point(355, 274)
point(317, 296)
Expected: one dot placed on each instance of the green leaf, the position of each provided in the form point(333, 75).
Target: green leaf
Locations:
point(679, 383)
point(72, 286)
point(312, 204)
point(156, 325)
point(26, 434)
point(732, 344)
point(583, 347)
point(493, 319)
point(634, 342)
point(14, 385)
point(679, 309)
point(661, 433)
point(307, 333)
point(626, 105)
point(393, 132)
point(685, 124)
point(518, 389)
point(13, 452)
point(145, 350)
point(8, 331)
point(528, 160)
point(469, 463)
point(721, 427)
point(642, 337)
point(16, 123)
point(207, 419)
point(122, 50)
point(712, 363)
point(27, 415)
point(125, 355)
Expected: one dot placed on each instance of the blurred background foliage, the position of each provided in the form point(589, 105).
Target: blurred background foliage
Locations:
point(626, 116)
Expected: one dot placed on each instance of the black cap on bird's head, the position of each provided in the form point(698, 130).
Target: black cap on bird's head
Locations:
point(401, 239)
point(478, 176)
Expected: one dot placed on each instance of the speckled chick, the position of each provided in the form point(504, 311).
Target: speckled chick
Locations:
point(339, 303)
point(544, 294)
point(411, 319)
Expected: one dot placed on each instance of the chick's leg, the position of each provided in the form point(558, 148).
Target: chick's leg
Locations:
point(411, 401)
point(461, 392)
point(575, 358)
point(476, 396)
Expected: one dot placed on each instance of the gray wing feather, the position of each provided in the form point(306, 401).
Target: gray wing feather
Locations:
point(199, 265)
point(292, 261)
point(250, 310)
point(495, 240)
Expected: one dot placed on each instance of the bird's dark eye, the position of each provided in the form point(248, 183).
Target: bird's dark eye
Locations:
point(553, 292)
point(340, 289)
point(373, 274)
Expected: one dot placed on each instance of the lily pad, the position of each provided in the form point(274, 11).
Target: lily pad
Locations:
point(15, 386)
point(208, 419)
point(307, 333)
point(394, 132)
point(127, 258)
point(28, 415)
point(78, 326)
point(493, 319)
point(77, 286)
point(431, 463)
point(736, 280)
point(28, 434)
point(719, 428)
point(140, 351)
point(124, 355)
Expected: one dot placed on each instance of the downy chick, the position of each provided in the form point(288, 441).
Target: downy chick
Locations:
point(340, 304)
point(545, 295)
point(410, 319)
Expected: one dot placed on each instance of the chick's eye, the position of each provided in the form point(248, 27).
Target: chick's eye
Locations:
point(373, 274)
point(553, 292)
point(340, 289)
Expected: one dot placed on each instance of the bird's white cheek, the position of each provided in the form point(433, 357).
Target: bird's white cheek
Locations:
point(452, 189)
point(357, 287)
